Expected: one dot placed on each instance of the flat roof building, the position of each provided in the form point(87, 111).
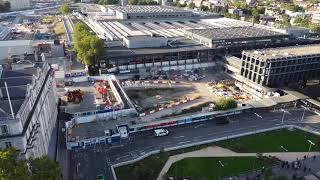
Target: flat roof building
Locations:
point(281, 66)
point(227, 36)
point(148, 12)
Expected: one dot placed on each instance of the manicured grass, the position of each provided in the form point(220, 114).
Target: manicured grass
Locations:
point(205, 168)
point(146, 169)
point(293, 141)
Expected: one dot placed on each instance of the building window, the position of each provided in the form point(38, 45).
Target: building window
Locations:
point(4, 129)
point(8, 144)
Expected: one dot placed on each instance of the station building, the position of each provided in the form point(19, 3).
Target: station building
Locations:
point(169, 38)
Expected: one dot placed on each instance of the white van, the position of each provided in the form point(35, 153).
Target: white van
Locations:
point(160, 132)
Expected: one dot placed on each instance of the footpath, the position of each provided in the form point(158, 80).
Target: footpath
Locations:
point(216, 151)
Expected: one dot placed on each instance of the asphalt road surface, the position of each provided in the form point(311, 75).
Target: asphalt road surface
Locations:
point(88, 163)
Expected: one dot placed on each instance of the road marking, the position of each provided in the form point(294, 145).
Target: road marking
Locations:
point(184, 142)
point(121, 157)
point(179, 137)
point(198, 126)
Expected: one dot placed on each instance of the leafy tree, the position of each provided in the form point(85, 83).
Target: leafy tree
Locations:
point(255, 12)
point(192, 5)
point(227, 15)
point(45, 168)
point(133, 2)
point(224, 104)
point(204, 8)
point(304, 22)
point(292, 7)
point(315, 28)
point(40, 168)
point(65, 9)
point(88, 46)
point(10, 167)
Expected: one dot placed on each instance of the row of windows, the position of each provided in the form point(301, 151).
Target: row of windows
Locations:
point(4, 130)
point(253, 61)
point(288, 78)
point(294, 62)
point(291, 69)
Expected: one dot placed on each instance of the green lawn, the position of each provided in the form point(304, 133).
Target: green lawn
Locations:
point(293, 141)
point(210, 168)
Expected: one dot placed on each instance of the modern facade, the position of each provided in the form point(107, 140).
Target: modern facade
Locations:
point(281, 66)
point(28, 107)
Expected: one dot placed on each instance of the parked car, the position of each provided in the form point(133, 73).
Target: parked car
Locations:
point(160, 132)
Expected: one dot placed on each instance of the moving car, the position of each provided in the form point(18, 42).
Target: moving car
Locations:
point(160, 132)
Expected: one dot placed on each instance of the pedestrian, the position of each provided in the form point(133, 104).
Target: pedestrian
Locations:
point(314, 157)
point(304, 157)
point(305, 169)
point(309, 169)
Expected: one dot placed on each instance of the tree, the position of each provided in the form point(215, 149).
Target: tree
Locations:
point(315, 28)
point(45, 168)
point(204, 8)
point(255, 12)
point(225, 103)
point(64, 8)
point(39, 168)
point(10, 167)
point(191, 5)
point(303, 22)
point(87, 46)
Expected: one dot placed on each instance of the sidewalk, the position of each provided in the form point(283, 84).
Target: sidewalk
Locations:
point(216, 151)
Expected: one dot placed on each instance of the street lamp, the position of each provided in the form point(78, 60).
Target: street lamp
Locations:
point(304, 110)
point(222, 165)
point(284, 148)
point(258, 115)
point(284, 111)
point(311, 144)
